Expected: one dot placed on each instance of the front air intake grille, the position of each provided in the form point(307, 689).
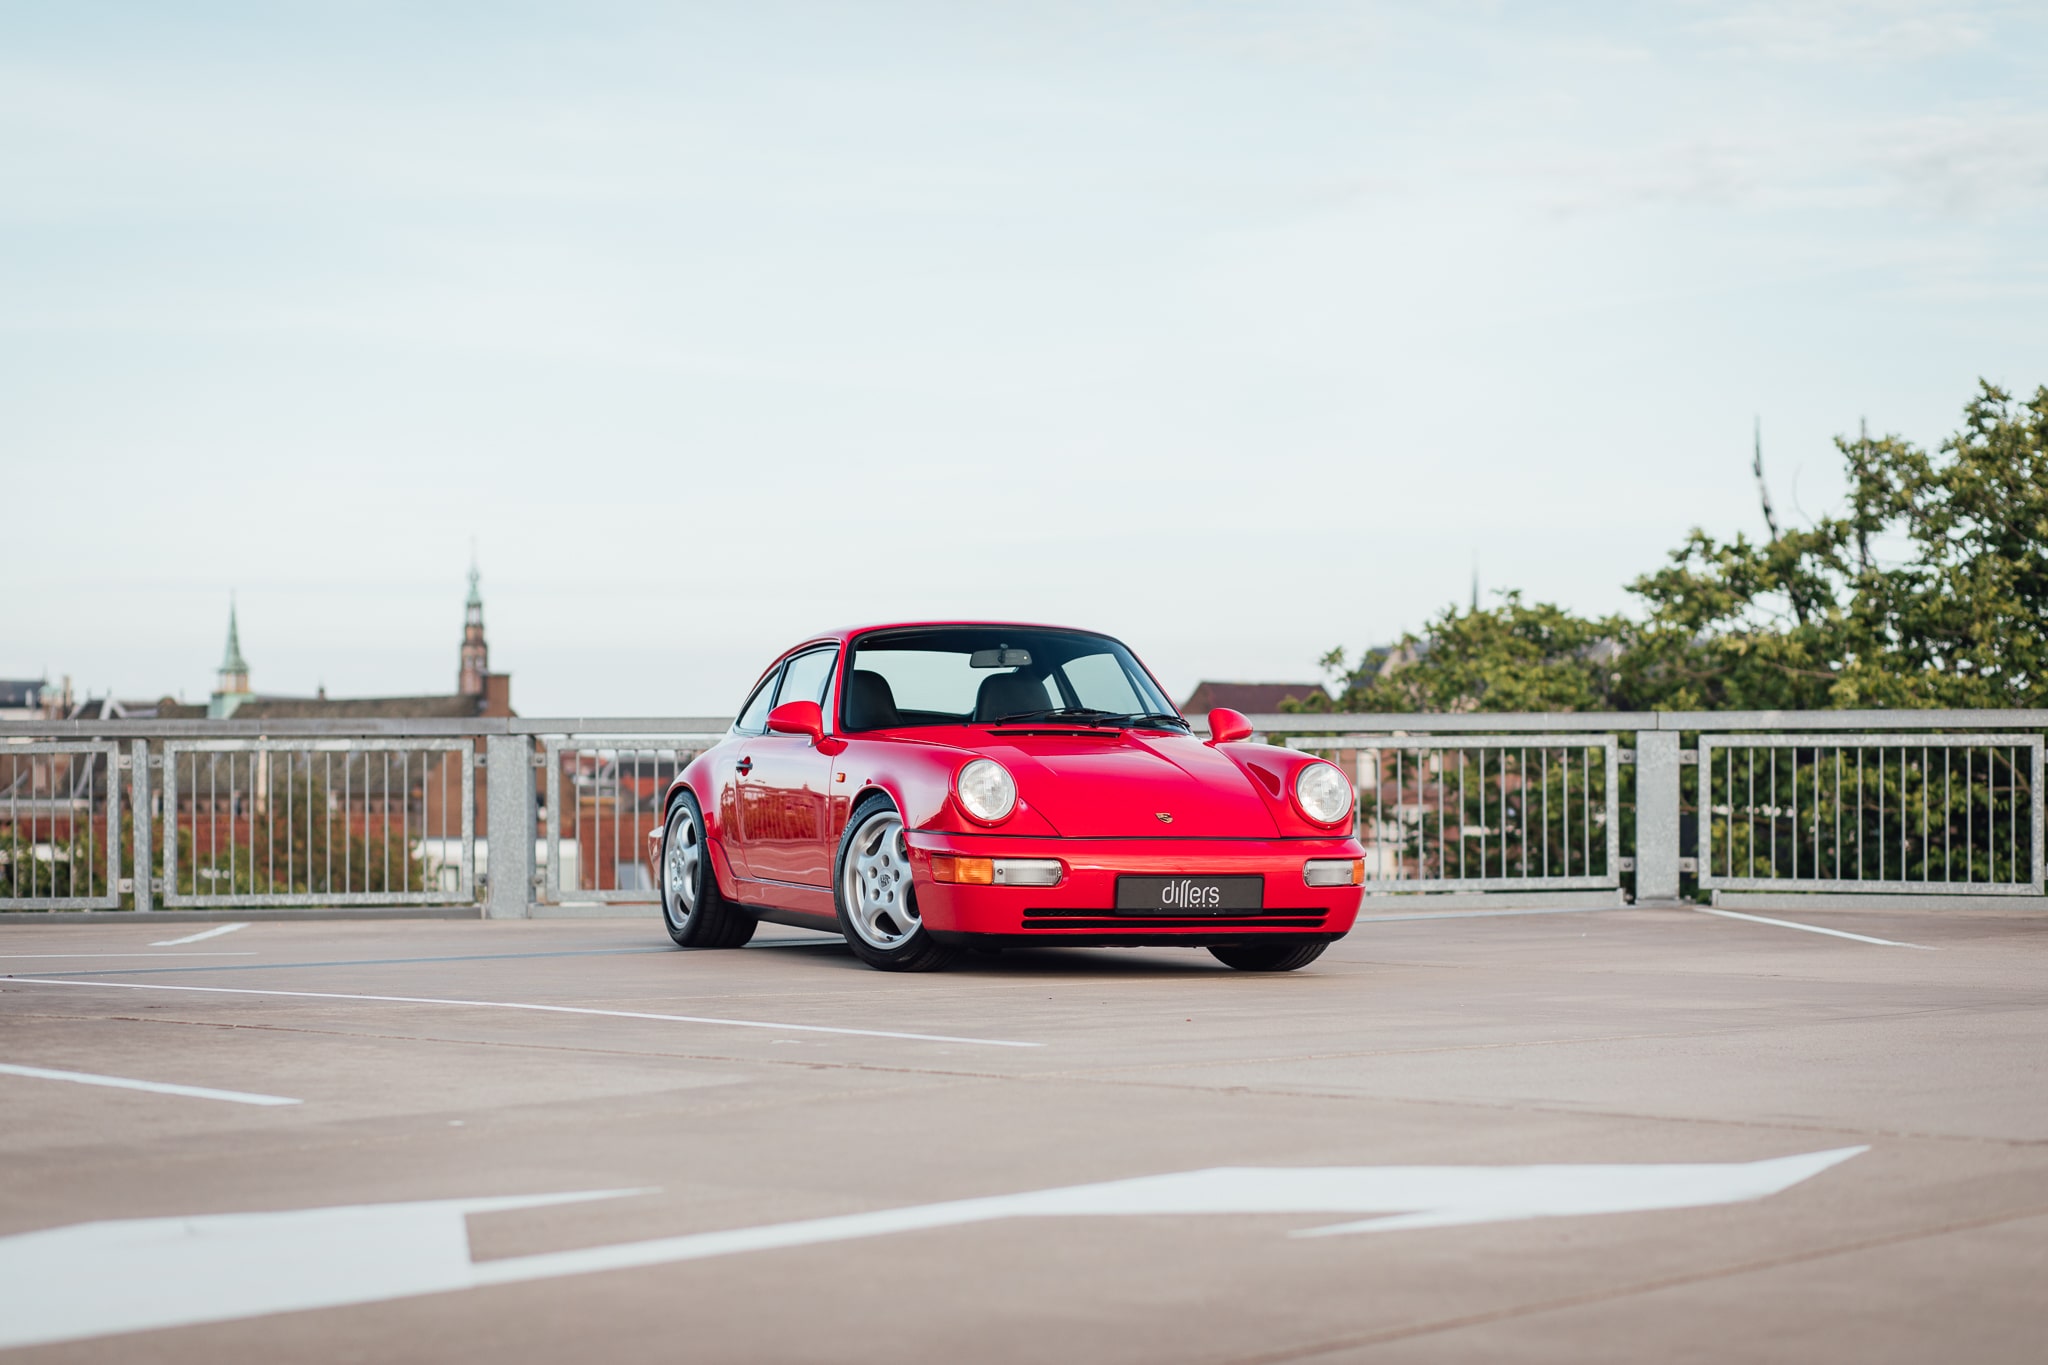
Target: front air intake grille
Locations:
point(1096, 919)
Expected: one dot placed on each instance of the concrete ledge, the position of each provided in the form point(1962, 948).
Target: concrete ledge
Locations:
point(31, 918)
point(1837, 900)
point(1417, 901)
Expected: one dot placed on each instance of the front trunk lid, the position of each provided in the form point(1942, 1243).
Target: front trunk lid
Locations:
point(1128, 784)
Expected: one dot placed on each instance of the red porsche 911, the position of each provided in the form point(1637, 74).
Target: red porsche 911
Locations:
point(932, 787)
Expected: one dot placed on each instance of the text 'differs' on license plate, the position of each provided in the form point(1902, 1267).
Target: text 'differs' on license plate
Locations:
point(1188, 895)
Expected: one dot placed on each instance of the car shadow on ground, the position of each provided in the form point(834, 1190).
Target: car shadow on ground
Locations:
point(1042, 962)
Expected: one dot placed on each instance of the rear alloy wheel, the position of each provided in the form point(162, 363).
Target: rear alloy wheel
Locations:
point(875, 898)
point(1268, 957)
point(696, 914)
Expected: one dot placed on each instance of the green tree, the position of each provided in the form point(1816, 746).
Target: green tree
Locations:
point(1930, 590)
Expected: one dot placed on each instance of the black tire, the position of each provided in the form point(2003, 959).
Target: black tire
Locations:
point(1268, 957)
point(874, 896)
point(695, 912)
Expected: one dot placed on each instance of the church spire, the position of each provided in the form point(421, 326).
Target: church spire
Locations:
point(476, 655)
point(233, 687)
point(234, 669)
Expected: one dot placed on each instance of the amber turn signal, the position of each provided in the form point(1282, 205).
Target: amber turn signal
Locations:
point(968, 871)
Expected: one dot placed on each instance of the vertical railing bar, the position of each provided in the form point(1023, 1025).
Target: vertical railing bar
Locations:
point(618, 810)
point(1522, 804)
point(1880, 812)
point(2012, 817)
point(1610, 753)
point(92, 847)
point(1749, 862)
point(1926, 791)
point(1462, 755)
point(1969, 823)
point(2035, 828)
point(1400, 825)
point(468, 766)
point(1862, 816)
point(1437, 757)
point(1990, 813)
point(1948, 817)
point(1773, 798)
point(212, 818)
point(1564, 801)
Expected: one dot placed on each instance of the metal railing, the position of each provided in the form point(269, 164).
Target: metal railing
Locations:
point(1516, 812)
point(385, 813)
point(604, 795)
point(62, 845)
point(340, 822)
point(1952, 813)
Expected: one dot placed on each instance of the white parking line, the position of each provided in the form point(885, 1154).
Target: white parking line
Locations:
point(1814, 929)
point(12, 957)
point(202, 934)
point(199, 1092)
point(538, 1009)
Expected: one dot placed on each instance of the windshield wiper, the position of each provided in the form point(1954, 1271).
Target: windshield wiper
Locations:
point(1080, 715)
point(1090, 716)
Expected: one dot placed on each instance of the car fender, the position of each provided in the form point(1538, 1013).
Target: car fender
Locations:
point(1273, 771)
point(917, 777)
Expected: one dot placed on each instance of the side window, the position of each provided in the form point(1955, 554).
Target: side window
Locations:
point(805, 677)
point(754, 715)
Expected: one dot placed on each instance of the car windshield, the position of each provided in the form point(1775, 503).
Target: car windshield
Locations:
point(991, 675)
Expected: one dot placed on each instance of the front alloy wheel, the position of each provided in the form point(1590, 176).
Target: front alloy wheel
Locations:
point(876, 901)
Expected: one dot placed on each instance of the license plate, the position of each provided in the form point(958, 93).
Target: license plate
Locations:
point(1188, 895)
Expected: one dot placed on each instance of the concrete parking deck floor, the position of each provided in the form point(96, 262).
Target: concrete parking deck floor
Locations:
point(1618, 1038)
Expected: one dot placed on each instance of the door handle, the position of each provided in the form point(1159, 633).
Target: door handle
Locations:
point(745, 765)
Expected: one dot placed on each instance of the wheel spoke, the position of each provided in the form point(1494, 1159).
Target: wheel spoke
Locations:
point(875, 884)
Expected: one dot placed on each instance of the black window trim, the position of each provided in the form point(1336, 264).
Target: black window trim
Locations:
point(831, 675)
point(769, 683)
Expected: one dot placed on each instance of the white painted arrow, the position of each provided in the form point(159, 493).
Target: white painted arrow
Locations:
point(95, 1279)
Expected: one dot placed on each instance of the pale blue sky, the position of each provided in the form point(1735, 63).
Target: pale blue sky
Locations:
point(1236, 331)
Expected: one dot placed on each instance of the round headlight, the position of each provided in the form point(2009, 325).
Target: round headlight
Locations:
point(988, 792)
point(1324, 793)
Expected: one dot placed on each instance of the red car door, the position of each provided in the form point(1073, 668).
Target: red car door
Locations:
point(729, 767)
point(782, 784)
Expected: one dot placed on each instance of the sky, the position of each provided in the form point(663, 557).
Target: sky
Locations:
point(1241, 332)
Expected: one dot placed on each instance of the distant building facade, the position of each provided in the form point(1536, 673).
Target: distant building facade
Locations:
point(34, 699)
point(1250, 698)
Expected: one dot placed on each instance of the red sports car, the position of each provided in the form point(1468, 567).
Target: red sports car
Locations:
point(931, 787)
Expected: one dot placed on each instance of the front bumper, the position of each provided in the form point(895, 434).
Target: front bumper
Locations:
point(1082, 908)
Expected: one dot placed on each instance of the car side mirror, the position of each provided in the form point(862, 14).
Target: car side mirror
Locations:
point(798, 718)
point(1225, 726)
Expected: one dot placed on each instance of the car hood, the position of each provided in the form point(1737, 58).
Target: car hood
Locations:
point(1120, 784)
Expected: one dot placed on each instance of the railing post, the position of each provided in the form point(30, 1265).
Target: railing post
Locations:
point(143, 865)
point(509, 774)
point(1657, 815)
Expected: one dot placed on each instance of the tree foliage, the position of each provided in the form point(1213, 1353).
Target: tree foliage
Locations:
point(1931, 589)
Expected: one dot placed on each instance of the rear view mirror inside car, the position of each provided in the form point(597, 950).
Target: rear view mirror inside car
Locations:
point(999, 658)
